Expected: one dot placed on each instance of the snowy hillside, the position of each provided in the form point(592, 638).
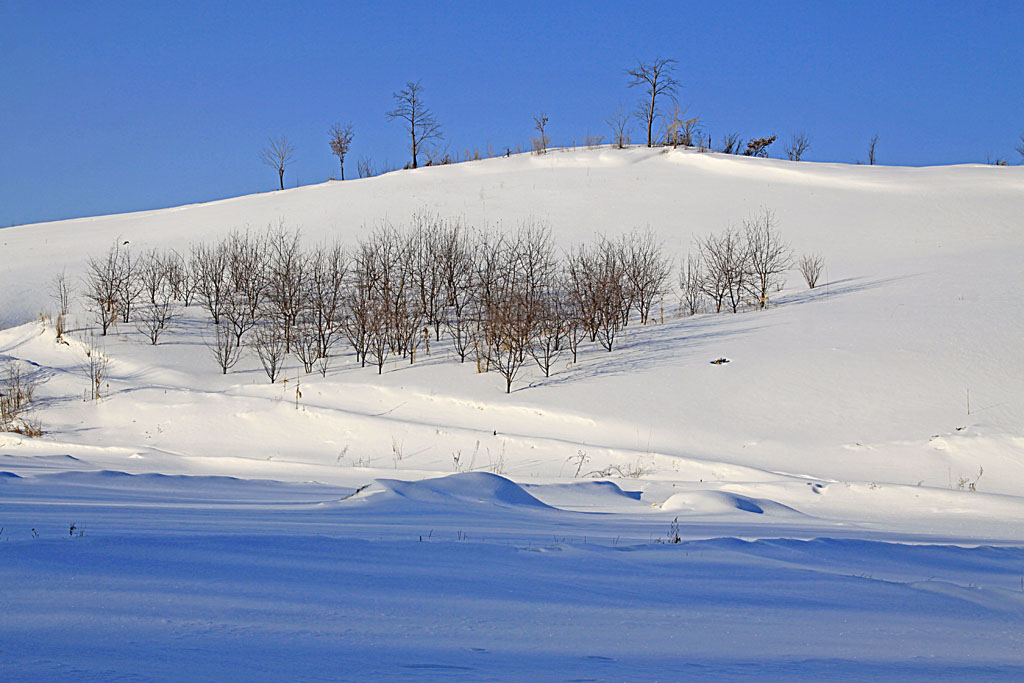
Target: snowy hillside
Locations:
point(882, 410)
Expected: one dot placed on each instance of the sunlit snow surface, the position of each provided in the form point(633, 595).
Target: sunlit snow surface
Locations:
point(819, 483)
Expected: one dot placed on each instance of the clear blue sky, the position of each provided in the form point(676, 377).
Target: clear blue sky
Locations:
point(120, 106)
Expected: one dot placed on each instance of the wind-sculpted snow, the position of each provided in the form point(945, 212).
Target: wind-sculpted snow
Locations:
point(472, 487)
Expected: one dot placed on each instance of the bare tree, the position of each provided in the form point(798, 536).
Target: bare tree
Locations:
point(95, 367)
point(268, 341)
point(325, 290)
point(103, 286)
point(364, 167)
point(285, 280)
point(180, 278)
point(277, 154)
point(797, 146)
point(769, 256)
point(341, 142)
point(726, 261)
point(540, 142)
point(732, 143)
point(656, 78)
point(758, 147)
point(159, 306)
point(60, 292)
point(209, 267)
point(872, 158)
point(225, 348)
point(1020, 148)
point(646, 270)
point(691, 285)
point(810, 266)
point(17, 391)
point(418, 118)
point(619, 123)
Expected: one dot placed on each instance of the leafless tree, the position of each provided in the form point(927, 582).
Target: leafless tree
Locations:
point(419, 120)
point(872, 146)
point(341, 142)
point(597, 282)
point(758, 147)
point(17, 391)
point(225, 348)
point(159, 306)
point(457, 256)
point(209, 267)
point(268, 341)
point(180, 278)
point(726, 261)
point(60, 292)
point(427, 241)
point(364, 167)
point(1020, 148)
point(646, 269)
point(328, 269)
point(285, 280)
point(619, 123)
point(732, 143)
point(277, 154)
point(768, 255)
point(797, 146)
point(104, 284)
point(691, 285)
point(540, 142)
point(248, 258)
point(656, 79)
point(95, 366)
point(810, 266)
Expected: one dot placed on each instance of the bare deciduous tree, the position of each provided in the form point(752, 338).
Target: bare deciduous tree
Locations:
point(872, 146)
point(726, 261)
point(619, 123)
point(769, 256)
point(418, 118)
point(341, 142)
point(277, 154)
point(225, 348)
point(732, 143)
point(656, 78)
point(1020, 148)
point(210, 269)
point(810, 266)
point(691, 285)
point(540, 142)
point(159, 306)
point(646, 270)
point(104, 283)
point(797, 146)
point(268, 341)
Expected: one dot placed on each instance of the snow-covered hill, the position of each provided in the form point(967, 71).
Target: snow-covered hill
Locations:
point(886, 405)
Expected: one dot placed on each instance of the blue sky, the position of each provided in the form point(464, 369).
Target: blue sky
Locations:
point(122, 106)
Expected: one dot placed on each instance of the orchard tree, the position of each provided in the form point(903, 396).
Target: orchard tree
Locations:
point(656, 79)
point(419, 120)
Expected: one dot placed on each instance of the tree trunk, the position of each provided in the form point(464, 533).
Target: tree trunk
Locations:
point(280, 176)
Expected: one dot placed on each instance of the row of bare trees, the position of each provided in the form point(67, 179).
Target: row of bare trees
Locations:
point(741, 267)
point(500, 298)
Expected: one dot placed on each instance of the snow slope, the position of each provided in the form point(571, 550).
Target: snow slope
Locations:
point(290, 532)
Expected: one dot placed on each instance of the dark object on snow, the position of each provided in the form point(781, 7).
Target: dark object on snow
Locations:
point(720, 361)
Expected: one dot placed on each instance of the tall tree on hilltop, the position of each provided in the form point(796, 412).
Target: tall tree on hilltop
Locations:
point(277, 154)
point(341, 142)
point(418, 118)
point(656, 79)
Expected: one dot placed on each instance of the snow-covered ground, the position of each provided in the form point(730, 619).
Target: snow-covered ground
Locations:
point(423, 523)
